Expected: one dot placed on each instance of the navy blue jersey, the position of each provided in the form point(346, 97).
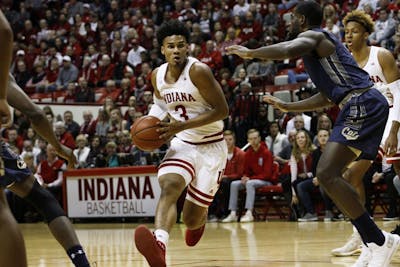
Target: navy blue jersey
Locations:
point(338, 74)
point(15, 169)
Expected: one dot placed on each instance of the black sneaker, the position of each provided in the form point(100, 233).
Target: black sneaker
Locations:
point(396, 230)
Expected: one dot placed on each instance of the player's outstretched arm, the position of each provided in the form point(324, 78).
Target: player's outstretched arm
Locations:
point(6, 37)
point(305, 43)
point(19, 100)
point(312, 103)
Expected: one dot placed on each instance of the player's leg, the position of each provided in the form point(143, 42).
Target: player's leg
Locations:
point(152, 245)
point(354, 174)
point(194, 217)
point(12, 246)
point(380, 245)
point(59, 225)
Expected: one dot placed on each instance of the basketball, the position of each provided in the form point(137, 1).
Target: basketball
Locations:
point(144, 133)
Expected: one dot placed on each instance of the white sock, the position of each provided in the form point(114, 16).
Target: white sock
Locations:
point(162, 235)
point(249, 212)
point(233, 212)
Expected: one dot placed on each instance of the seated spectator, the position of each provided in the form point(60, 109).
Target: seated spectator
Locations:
point(14, 140)
point(68, 73)
point(257, 173)
point(111, 156)
point(117, 123)
point(383, 173)
point(88, 127)
point(63, 136)
point(105, 72)
point(95, 158)
point(21, 74)
point(300, 121)
point(385, 28)
point(82, 151)
point(298, 74)
point(70, 94)
point(233, 171)
point(70, 125)
point(52, 72)
point(276, 140)
point(301, 170)
point(306, 188)
point(30, 148)
point(38, 80)
point(84, 92)
point(49, 173)
point(102, 124)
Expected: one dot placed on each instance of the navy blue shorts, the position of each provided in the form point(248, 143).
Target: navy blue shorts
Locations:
point(15, 168)
point(361, 123)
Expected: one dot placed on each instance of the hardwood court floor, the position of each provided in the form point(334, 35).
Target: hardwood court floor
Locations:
point(273, 243)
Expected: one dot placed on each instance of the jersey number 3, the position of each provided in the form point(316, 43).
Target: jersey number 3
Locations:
point(183, 111)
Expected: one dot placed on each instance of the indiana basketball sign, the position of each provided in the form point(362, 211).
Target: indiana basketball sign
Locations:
point(113, 192)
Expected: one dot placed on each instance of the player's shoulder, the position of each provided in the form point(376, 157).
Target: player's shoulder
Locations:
point(199, 69)
point(384, 53)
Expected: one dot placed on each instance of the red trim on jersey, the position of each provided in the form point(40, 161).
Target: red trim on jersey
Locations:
point(177, 165)
point(202, 201)
point(204, 143)
point(180, 161)
point(216, 134)
point(195, 190)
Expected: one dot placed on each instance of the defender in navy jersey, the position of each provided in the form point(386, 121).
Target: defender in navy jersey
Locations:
point(359, 127)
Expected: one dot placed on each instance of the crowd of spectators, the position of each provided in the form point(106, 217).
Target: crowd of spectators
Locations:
point(103, 52)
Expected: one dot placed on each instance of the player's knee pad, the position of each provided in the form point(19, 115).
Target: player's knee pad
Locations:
point(44, 202)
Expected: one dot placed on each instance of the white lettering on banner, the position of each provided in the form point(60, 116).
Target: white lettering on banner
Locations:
point(115, 207)
point(115, 196)
point(101, 188)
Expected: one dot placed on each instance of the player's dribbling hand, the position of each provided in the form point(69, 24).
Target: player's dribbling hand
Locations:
point(276, 102)
point(5, 114)
point(168, 130)
point(239, 50)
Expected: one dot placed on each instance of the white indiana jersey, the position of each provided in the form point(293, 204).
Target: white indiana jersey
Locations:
point(185, 102)
point(375, 72)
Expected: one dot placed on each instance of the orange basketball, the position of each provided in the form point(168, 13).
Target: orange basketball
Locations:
point(144, 133)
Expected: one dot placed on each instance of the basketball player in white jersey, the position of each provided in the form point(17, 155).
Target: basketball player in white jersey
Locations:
point(383, 71)
point(186, 90)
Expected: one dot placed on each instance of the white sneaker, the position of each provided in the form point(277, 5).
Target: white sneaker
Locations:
point(248, 217)
point(364, 258)
point(230, 218)
point(351, 248)
point(381, 255)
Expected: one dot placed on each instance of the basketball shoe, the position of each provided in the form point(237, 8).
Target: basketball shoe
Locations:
point(192, 237)
point(364, 258)
point(351, 248)
point(381, 255)
point(152, 249)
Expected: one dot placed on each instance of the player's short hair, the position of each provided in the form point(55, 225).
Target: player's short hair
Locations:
point(253, 131)
point(361, 18)
point(312, 11)
point(172, 27)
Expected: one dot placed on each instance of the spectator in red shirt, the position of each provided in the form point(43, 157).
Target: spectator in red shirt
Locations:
point(251, 29)
point(211, 56)
point(88, 127)
point(49, 172)
point(257, 173)
point(105, 71)
point(233, 171)
point(63, 136)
